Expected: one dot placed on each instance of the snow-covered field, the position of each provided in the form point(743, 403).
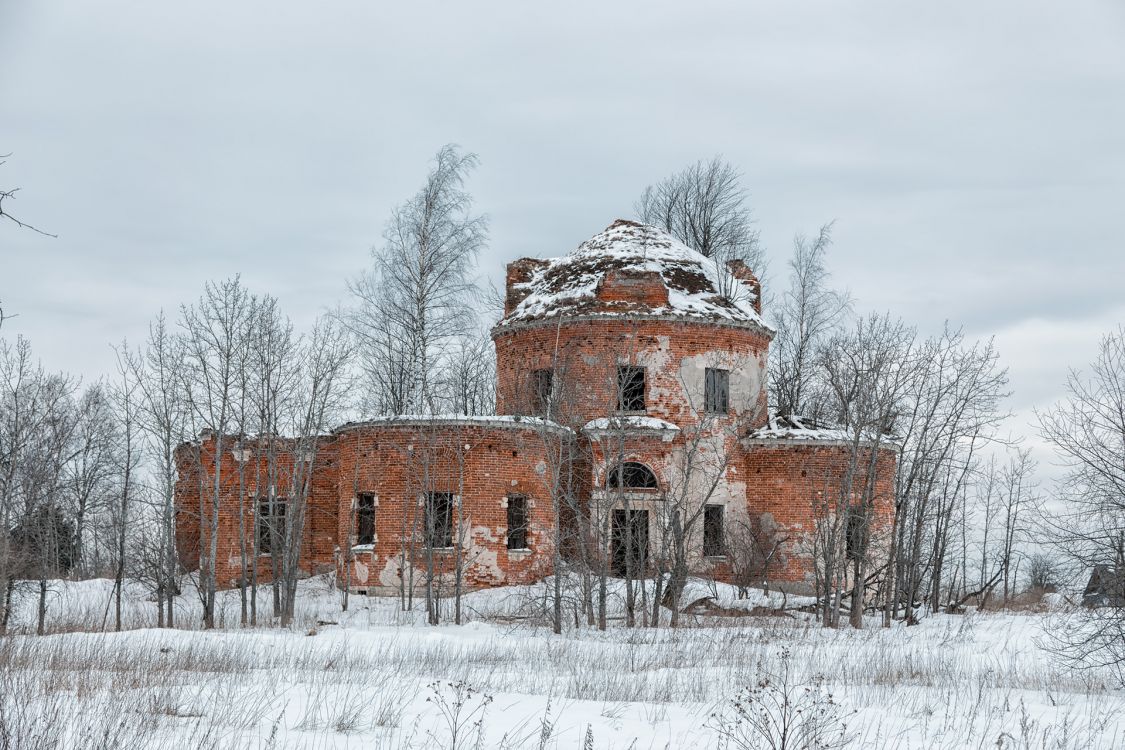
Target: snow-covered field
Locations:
point(379, 678)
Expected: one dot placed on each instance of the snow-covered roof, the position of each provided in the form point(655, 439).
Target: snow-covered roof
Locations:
point(794, 427)
point(629, 422)
point(454, 420)
point(697, 286)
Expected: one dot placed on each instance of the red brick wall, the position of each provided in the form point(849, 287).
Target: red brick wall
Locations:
point(584, 354)
point(788, 481)
point(482, 464)
point(248, 481)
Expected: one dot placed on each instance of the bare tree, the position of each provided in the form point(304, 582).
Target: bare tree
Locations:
point(125, 394)
point(953, 407)
point(39, 540)
point(272, 379)
point(694, 479)
point(10, 195)
point(436, 528)
point(555, 399)
point(753, 547)
point(704, 206)
point(413, 303)
point(323, 362)
point(214, 342)
point(20, 379)
point(809, 313)
point(1043, 572)
point(1019, 501)
point(37, 422)
point(867, 374)
point(469, 383)
point(936, 403)
point(91, 472)
point(985, 501)
point(1087, 431)
point(158, 371)
point(618, 529)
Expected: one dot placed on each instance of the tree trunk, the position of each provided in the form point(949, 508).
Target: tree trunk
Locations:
point(120, 578)
point(41, 622)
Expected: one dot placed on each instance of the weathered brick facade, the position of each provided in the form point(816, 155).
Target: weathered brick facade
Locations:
point(631, 355)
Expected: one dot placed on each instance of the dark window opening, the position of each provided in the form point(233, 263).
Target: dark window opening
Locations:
point(631, 476)
point(856, 534)
point(269, 525)
point(630, 388)
point(439, 519)
point(517, 522)
point(716, 391)
point(629, 542)
point(365, 519)
point(713, 531)
point(542, 382)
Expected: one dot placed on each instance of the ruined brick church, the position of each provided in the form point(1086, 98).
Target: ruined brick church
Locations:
point(632, 411)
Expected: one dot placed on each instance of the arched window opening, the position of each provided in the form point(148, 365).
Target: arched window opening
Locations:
point(631, 475)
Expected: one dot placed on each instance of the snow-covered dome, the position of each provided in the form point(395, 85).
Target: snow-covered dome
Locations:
point(632, 269)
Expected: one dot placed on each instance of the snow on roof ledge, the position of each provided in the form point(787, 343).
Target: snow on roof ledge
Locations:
point(454, 420)
point(632, 424)
point(796, 427)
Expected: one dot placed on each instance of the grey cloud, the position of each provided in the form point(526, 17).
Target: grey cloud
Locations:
point(972, 154)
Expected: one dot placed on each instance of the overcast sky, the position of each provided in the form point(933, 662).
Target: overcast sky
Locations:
point(973, 156)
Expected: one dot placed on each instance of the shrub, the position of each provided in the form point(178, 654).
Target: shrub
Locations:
point(780, 714)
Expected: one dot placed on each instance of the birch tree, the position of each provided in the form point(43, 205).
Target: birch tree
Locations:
point(273, 377)
point(808, 314)
point(322, 387)
point(413, 302)
point(125, 393)
point(214, 344)
point(158, 371)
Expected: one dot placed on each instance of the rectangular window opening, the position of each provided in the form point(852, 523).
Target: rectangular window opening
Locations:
point(542, 382)
point(365, 519)
point(439, 519)
point(716, 391)
point(629, 542)
point(713, 531)
point(269, 525)
point(630, 388)
point(856, 540)
point(517, 522)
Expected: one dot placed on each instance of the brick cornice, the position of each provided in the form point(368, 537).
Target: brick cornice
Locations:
point(549, 322)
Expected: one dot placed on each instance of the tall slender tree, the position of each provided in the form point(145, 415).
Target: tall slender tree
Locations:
point(413, 302)
point(126, 397)
point(158, 371)
point(214, 342)
point(808, 314)
point(323, 362)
